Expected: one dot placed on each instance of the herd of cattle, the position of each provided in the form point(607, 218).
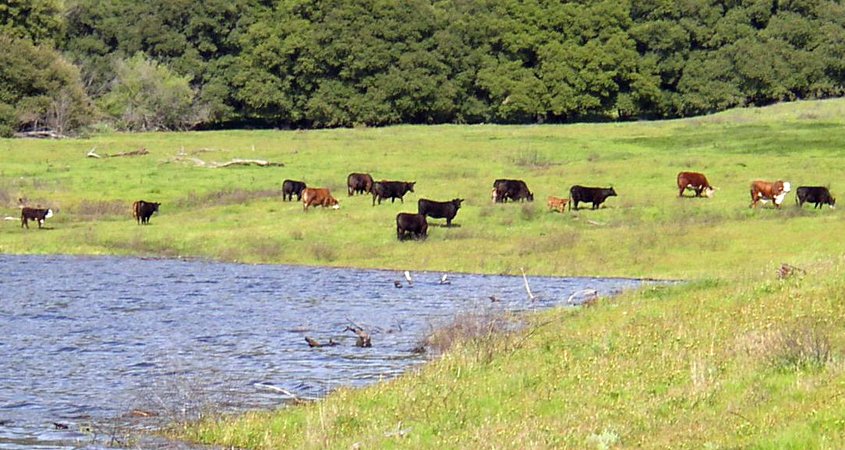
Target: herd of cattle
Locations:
point(415, 225)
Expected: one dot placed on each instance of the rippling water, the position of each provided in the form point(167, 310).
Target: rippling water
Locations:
point(87, 343)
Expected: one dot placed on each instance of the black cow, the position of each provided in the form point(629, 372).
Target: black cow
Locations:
point(392, 190)
point(439, 210)
point(37, 214)
point(360, 183)
point(291, 188)
point(593, 195)
point(142, 211)
point(511, 189)
point(819, 195)
point(409, 225)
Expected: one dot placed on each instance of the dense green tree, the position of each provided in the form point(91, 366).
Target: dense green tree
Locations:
point(344, 63)
point(148, 96)
point(41, 87)
point(37, 20)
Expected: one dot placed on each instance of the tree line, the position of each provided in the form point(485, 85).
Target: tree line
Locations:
point(180, 64)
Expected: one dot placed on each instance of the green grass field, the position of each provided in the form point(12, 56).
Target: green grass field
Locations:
point(736, 358)
point(237, 214)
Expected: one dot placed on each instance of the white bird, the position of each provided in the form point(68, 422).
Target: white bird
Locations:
point(444, 279)
point(408, 277)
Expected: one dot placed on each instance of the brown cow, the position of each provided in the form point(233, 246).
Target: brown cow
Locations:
point(37, 214)
point(694, 181)
point(763, 191)
point(557, 203)
point(318, 197)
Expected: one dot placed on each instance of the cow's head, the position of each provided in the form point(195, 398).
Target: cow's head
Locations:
point(709, 191)
point(457, 202)
point(530, 196)
point(611, 192)
point(779, 191)
point(832, 202)
point(331, 201)
point(410, 186)
point(155, 206)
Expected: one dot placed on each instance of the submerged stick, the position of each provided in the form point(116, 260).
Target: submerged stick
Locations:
point(527, 287)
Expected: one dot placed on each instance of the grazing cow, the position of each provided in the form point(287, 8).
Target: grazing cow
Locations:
point(291, 188)
point(819, 195)
point(37, 214)
point(593, 195)
point(392, 190)
point(439, 210)
point(360, 183)
point(694, 181)
point(763, 191)
point(409, 225)
point(142, 211)
point(511, 189)
point(557, 203)
point(318, 197)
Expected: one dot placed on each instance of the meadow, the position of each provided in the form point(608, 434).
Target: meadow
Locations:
point(736, 357)
point(236, 213)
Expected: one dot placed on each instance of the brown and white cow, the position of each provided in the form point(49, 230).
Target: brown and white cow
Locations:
point(318, 197)
point(37, 214)
point(557, 203)
point(764, 191)
point(694, 181)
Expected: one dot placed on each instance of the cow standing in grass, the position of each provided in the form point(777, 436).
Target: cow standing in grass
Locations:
point(696, 182)
point(593, 195)
point(440, 210)
point(764, 191)
point(359, 183)
point(382, 190)
point(142, 211)
point(318, 197)
point(37, 214)
point(291, 188)
point(411, 226)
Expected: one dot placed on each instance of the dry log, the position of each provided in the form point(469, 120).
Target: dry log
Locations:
point(39, 134)
point(234, 162)
point(140, 152)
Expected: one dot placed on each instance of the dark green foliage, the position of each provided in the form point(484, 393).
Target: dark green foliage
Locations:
point(38, 88)
point(346, 63)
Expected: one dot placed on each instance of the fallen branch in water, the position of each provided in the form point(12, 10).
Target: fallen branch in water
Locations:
point(527, 288)
point(364, 339)
point(315, 343)
point(285, 392)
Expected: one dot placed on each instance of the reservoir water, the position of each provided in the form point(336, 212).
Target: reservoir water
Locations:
point(95, 349)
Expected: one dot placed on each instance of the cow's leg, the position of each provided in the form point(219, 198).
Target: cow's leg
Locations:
point(24, 222)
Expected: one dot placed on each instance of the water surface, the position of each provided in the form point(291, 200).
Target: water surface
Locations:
point(92, 343)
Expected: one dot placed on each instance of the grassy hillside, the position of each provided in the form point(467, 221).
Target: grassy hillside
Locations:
point(708, 364)
point(737, 358)
point(236, 213)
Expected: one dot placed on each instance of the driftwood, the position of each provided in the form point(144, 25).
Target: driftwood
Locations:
point(234, 162)
point(285, 392)
point(364, 339)
point(46, 134)
point(140, 152)
point(584, 296)
point(527, 288)
point(315, 343)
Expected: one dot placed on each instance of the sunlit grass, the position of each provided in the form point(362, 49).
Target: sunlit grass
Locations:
point(646, 231)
